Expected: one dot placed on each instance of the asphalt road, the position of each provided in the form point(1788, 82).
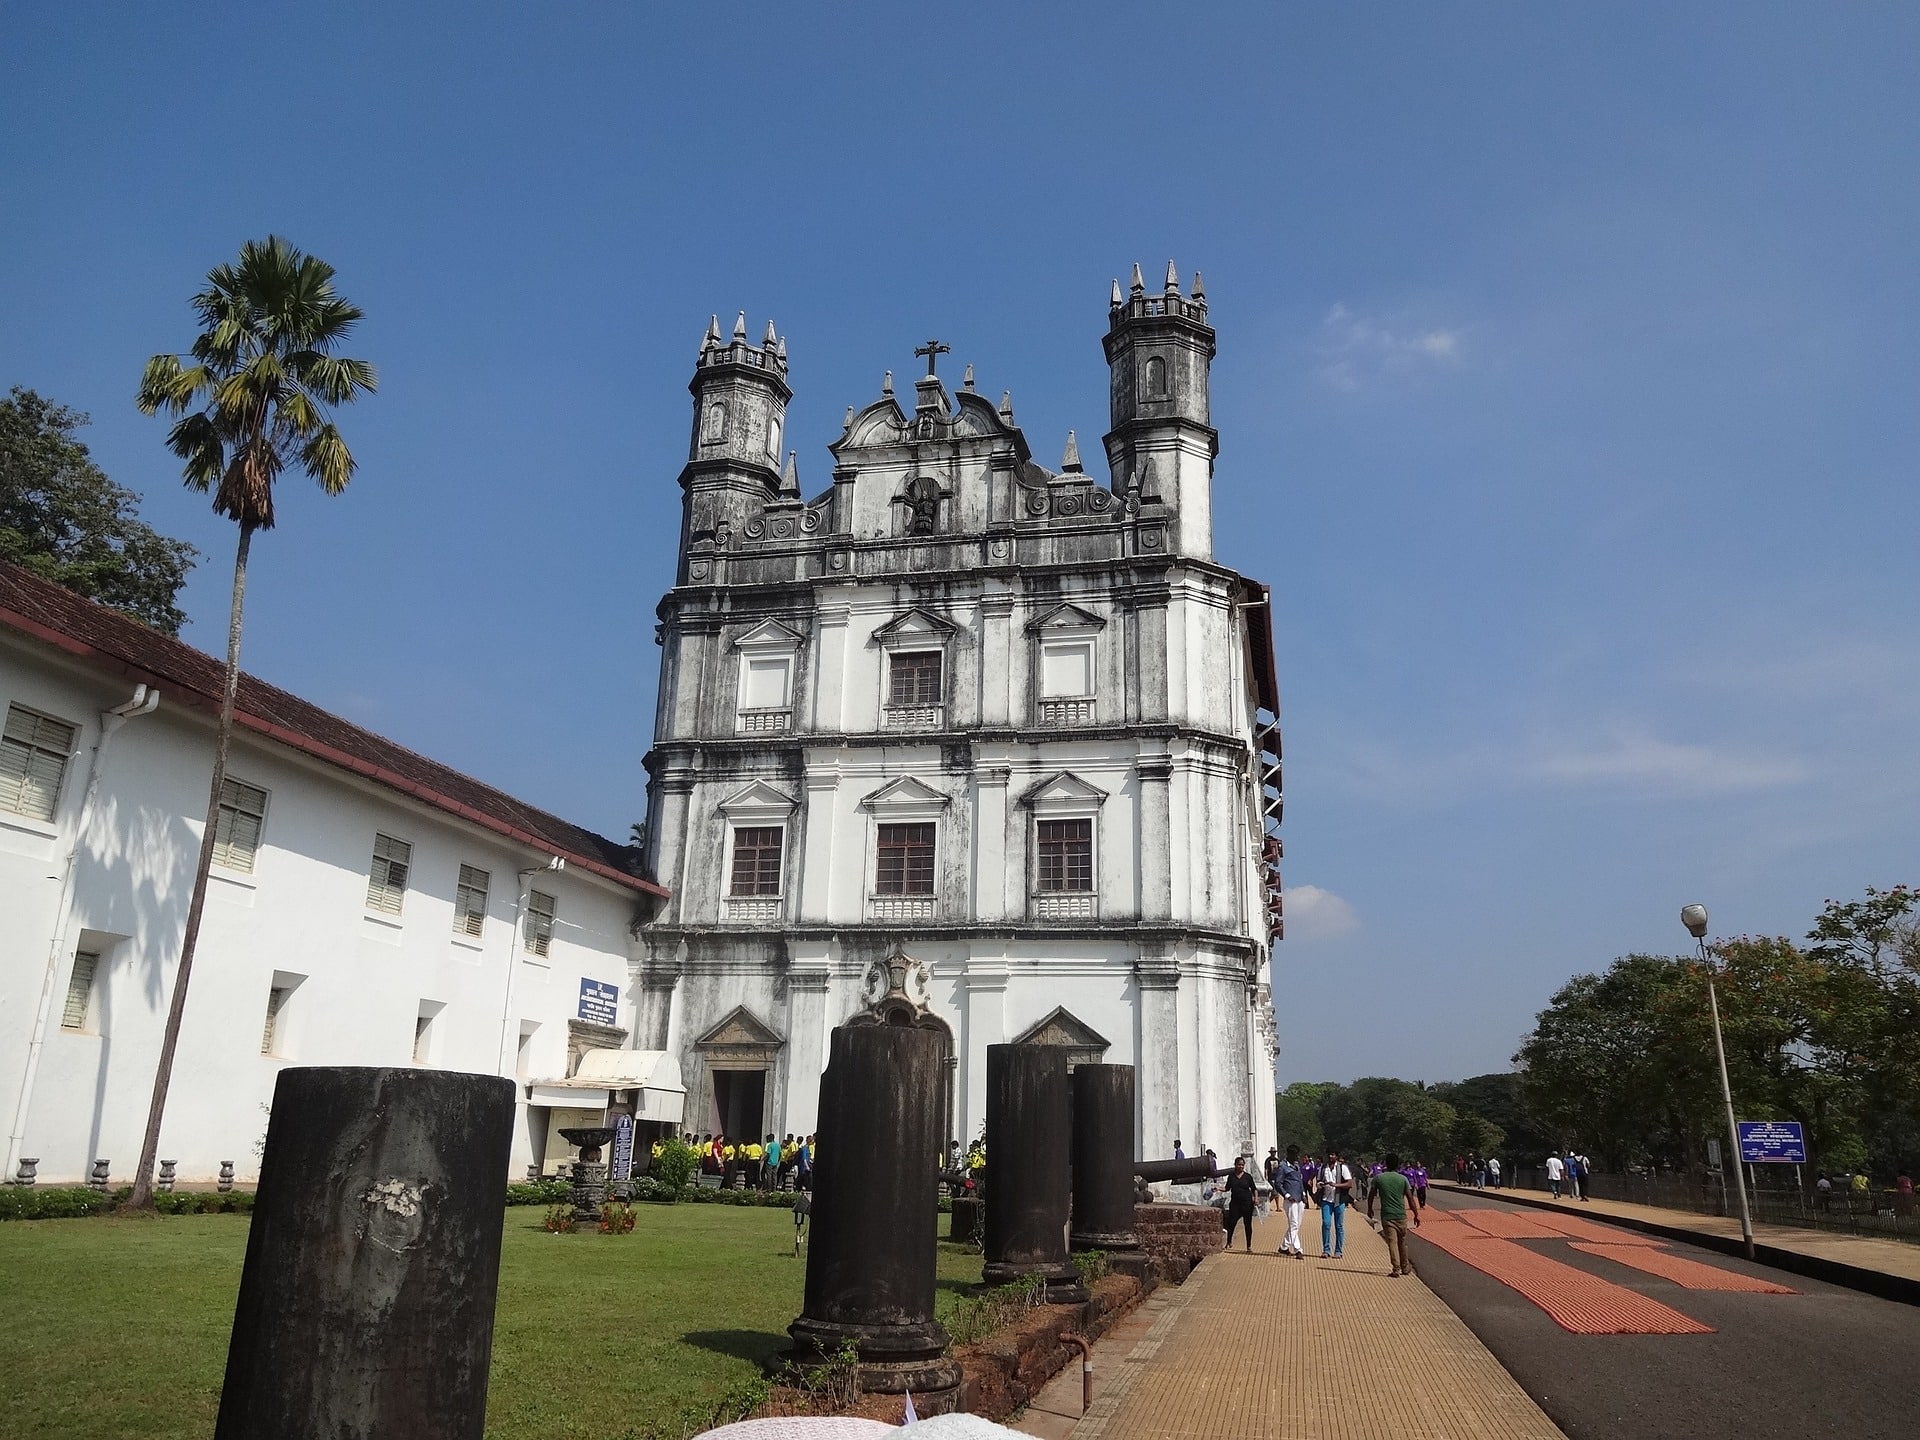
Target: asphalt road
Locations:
point(1827, 1361)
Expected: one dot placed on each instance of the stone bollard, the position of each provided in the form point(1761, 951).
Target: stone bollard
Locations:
point(167, 1169)
point(1103, 1111)
point(29, 1171)
point(98, 1179)
point(226, 1176)
point(871, 1257)
point(1029, 1193)
point(366, 1304)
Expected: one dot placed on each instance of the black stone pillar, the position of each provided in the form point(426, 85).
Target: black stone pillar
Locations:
point(366, 1304)
point(1103, 1111)
point(1028, 1190)
point(871, 1258)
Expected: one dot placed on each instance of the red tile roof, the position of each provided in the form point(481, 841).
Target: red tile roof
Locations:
point(117, 645)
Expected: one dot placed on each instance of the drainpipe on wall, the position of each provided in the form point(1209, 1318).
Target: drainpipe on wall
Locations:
point(554, 863)
point(144, 702)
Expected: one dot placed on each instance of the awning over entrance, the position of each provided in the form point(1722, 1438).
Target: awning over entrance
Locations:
point(653, 1074)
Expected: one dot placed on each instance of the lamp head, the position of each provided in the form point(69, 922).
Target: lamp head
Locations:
point(1694, 917)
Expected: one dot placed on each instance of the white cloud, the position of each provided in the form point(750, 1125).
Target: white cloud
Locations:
point(1317, 914)
point(1355, 350)
point(1642, 761)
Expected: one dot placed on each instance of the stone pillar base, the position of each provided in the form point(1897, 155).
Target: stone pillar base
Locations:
point(894, 1360)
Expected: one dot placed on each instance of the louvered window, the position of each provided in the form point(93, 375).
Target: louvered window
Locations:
point(539, 923)
point(756, 860)
point(914, 678)
point(79, 991)
point(276, 999)
point(1066, 855)
point(905, 860)
point(33, 761)
point(470, 902)
point(243, 813)
point(387, 882)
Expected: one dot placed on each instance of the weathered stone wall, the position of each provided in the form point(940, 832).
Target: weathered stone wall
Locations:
point(1178, 1237)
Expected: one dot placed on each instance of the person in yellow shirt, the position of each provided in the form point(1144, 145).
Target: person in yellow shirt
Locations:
point(753, 1153)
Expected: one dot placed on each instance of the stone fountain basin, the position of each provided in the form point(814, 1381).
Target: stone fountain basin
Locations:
point(591, 1139)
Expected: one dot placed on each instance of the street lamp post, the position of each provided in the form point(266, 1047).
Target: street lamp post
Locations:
point(1694, 917)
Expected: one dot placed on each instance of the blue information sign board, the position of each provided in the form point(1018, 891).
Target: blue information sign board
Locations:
point(599, 1001)
point(1772, 1142)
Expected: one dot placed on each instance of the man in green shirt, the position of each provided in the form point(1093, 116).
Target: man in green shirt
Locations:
point(1396, 1196)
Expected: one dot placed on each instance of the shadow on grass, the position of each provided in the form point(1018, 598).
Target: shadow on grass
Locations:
point(754, 1345)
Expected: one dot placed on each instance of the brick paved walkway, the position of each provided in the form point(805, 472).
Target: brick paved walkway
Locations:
point(1260, 1347)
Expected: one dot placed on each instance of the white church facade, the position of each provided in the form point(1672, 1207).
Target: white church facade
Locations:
point(965, 743)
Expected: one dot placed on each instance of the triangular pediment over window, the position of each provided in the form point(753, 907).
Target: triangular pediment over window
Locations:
point(740, 1028)
point(1063, 788)
point(757, 799)
point(915, 625)
point(1063, 1027)
point(906, 793)
point(1068, 618)
point(770, 635)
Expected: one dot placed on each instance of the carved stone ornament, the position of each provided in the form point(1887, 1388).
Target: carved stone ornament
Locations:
point(896, 979)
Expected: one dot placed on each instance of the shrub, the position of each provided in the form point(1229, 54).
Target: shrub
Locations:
point(616, 1218)
point(539, 1192)
point(1092, 1264)
point(75, 1202)
point(559, 1220)
point(673, 1167)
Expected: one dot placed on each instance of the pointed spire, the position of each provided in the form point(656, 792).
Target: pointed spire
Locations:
point(1070, 461)
point(782, 350)
point(966, 381)
point(1199, 288)
point(1139, 283)
point(713, 333)
point(790, 476)
point(847, 424)
point(740, 327)
point(886, 383)
point(1117, 298)
point(772, 336)
point(1006, 406)
point(1173, 279)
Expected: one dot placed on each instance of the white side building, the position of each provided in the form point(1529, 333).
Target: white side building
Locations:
point(368, 907)
point(965, 743)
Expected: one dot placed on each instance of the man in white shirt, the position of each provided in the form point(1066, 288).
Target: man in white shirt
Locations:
point(1335, 1194)
point(1556, 1172)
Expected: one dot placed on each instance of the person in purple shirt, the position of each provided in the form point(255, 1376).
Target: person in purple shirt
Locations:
point(1417, 1173)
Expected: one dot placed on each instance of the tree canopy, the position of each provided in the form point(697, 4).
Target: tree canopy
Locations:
point(63, 519)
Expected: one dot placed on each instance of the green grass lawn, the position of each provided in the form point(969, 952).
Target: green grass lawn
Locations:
point(114, 1328)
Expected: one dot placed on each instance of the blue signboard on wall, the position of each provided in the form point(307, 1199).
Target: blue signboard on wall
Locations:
point(1772, 1142)
point(599, 1001)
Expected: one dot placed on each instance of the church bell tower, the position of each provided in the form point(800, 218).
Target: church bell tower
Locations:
point(1162, 444)
point(740, 396)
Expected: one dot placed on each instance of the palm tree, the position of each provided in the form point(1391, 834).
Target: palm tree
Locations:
point(253, 397)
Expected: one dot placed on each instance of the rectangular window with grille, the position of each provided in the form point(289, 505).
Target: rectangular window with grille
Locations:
point(1065, 855)
point(905, 860)
point(470, 902)
point(80, 991)
point(269, 1035)
point(540, 909)
point(756, 860)
point(387, 881)
point(914, 679)
point(34, 750)
point(243, 814)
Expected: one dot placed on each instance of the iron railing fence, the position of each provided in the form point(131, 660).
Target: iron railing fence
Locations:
point(1880, 1211)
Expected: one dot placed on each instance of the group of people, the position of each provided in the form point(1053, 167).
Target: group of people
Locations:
point(1571, 1171)
point(1477, 1171)
point(776, 1163)
point(1330, 1184)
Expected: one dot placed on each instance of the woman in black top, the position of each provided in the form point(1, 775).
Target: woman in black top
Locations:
point(1240, 1191)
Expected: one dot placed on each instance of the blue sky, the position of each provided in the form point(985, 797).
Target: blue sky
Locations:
point(1566, 390)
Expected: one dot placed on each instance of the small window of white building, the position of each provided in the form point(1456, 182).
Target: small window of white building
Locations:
point(769, 662)
point(79, 1006)
point(754, 880)
point(1066, 652)
point(756, 868)
point(470, 902)
point(387, 881)
point(1066, 669)
point(1065, 847)
point(540, 913)
point(34, 750)
point(243, 816)
point(424, 1027)
point(270, 1033)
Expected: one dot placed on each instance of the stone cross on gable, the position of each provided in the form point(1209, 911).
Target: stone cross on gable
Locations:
point(933, 350)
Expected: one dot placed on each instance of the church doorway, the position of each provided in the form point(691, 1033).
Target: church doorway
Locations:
point(739, 1103)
